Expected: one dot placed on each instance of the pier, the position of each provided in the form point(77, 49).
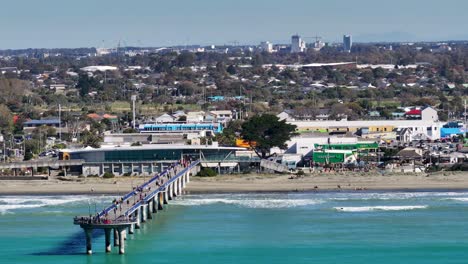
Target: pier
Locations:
point(129, 212)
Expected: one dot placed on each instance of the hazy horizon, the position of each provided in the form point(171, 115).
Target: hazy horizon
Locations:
point(146, 23)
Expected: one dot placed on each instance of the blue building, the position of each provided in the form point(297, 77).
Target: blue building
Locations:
point(216, 98)
point(452, 129)
point(181, 127)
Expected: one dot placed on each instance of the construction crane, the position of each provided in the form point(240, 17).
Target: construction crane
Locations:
point(317, 38)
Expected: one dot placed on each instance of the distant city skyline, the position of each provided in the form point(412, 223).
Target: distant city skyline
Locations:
point(104, 23)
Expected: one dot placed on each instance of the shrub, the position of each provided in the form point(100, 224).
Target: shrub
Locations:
point(108, 175)
point(207, 172)
point(459, 167)
point(59, 146)
point(28, 156)
point(300, 173)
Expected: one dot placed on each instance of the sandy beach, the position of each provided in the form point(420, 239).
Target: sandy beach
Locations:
point(250, 183)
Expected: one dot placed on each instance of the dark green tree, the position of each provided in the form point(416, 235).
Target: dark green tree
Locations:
point(230, 133)
point(84, 85)
point(231, 69)
point(185, 59)
point(6, 118)
point(91, 140)
point(265, 132)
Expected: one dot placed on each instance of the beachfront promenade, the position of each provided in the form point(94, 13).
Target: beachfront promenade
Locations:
point(127, 213)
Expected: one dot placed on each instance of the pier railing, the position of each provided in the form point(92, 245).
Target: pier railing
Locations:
point(167, 184)
point(136, 190)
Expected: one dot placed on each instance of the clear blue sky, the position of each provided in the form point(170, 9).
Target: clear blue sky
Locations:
point(102, 23)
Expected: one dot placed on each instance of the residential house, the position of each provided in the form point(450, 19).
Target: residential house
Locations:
point(285, 116)
point(31, 125)
point(222, 115)
point(323, 114)
point(429, 114)
point(165, 118)
point(195, 116)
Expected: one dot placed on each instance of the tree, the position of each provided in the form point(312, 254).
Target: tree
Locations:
point(185, 59)
point(12, 90)
point(231, 69)
point(129, 131)
point(266, 131)
point(84, 85)
point(6, 118)
point(230, 133)
point(91, 140)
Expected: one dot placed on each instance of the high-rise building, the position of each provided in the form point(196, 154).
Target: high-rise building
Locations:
point(266, 46)
point(318, 45)
point(347, 43)
point(297, 44)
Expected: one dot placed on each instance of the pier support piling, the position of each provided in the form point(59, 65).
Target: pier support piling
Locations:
point(107, 232)
point(150, 209)
point(165, 196)
point(154, 204)
point(179, 182)
point(161, 200)
point(169, 191)
point(116, 237)
point(131, 229)
point(138, 218)
point(144, 212)
point(122, 235)
point(89, 238)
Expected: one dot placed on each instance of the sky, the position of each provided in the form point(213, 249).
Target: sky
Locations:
point(155, 23)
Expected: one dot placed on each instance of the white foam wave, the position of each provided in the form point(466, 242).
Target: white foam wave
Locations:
point(250, 203)
point(8, 204)
point(460, 199)
point(394, 196)
point(379, 208)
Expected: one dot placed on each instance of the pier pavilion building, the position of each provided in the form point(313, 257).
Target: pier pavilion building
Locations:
point(151, 158)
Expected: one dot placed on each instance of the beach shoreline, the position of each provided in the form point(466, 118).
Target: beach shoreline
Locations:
point(250, 183)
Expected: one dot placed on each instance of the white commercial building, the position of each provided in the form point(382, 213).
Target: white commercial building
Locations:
point(266, 46)
point(429, 128)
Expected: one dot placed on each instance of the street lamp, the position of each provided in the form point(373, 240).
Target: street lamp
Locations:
point(133, 98)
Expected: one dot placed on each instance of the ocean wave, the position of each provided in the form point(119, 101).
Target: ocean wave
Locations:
point(10, 203)
point(250, 203)
point(459, 199)
point(379, 208)
point(395, 196)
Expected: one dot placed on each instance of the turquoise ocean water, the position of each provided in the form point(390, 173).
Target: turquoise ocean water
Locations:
point(328, 227)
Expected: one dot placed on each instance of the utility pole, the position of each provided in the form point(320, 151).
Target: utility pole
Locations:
point(133, 102)
point(60, 123)
point(464, 123)
point(464, 119)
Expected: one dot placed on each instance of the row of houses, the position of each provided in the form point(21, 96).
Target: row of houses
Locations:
point(411, 113)
point(222, 116)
